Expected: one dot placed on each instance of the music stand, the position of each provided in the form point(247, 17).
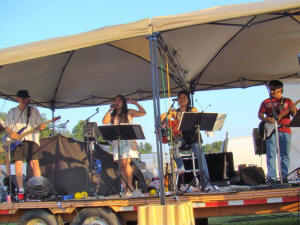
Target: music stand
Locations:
point(191, 121)
point(121, 132)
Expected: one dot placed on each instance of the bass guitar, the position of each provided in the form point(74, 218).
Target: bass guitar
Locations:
point(15, 142)
point(268, 128)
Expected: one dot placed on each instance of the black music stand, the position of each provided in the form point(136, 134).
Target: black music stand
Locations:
point(191, 121)
point(121, 132)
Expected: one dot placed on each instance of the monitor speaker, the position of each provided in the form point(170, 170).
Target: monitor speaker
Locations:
point(259, 143)
point(220, 167)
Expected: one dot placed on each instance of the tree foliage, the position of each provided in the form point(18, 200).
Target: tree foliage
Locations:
point(78, 134)
point(214, 147)
point(77, 131)
point(144, 148)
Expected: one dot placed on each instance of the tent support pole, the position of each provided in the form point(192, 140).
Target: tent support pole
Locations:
point(53, 110)
point(156, 109)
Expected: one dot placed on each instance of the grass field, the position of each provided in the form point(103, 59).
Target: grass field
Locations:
point(271, 219)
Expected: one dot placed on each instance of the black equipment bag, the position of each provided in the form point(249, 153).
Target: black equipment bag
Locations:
point(252, 175)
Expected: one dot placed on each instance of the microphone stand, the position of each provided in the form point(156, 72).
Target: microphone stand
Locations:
point(58, 126)
point(169, 110)
point(97, 111)
point(165, 120)
point(90, 148)
point(277, 141)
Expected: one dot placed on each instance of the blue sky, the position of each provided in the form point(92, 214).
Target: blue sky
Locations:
point(27, 21)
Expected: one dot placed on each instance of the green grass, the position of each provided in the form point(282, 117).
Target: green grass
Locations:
point(270, 219)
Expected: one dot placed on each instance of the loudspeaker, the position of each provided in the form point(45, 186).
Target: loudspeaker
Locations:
point(252, 175)
point(259, 143)
point(220, 167)
point(109, 181)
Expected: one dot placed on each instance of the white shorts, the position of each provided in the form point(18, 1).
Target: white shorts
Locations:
point(128, 149)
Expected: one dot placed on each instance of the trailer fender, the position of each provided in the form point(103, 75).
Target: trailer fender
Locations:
point(101, 216)
point(38, 216)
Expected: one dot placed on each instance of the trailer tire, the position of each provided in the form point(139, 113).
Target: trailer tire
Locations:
point(37, 216)
point(60, 220)
point(96, 216)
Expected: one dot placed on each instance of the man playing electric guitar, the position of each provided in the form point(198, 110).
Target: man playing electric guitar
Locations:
point(283, 108)
point(17, 118)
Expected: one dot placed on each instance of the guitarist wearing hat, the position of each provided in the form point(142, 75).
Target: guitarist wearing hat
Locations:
point(26, 117)
point(283, 108)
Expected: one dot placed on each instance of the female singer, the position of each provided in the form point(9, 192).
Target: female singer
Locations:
point(119, 113)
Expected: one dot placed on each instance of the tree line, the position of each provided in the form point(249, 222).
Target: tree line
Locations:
point(77, 134)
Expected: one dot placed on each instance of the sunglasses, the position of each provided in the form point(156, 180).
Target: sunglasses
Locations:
point(275, 89)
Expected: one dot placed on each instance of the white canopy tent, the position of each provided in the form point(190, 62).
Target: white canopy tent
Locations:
point(222, 47)
point(234, 46)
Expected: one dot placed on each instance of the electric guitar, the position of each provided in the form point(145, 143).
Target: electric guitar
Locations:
point(270, 127)
point(173, 125)
point(15, 142)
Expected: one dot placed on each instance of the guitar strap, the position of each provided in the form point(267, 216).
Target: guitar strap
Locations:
point(280, 107)
point(18, 119)
point(28, 115)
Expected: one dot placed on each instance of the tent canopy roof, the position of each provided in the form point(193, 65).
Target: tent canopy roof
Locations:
point(222, 47)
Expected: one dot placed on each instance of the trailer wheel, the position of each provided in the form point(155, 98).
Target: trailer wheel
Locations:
point(37, 217)
point(96, 216)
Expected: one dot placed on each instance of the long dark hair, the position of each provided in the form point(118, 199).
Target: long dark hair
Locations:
point(188, 95)
point(124, 111)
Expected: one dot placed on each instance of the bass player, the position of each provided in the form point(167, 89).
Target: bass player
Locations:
point(17, 118)
point(283, 108)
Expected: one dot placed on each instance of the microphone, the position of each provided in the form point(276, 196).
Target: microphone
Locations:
point(175, 99)
point(97, 110)
point(207, 107)
point(64, 125)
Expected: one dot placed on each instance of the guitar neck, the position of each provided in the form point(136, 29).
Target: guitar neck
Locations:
point(286, 111)
point(24, 134)
point(21, 136)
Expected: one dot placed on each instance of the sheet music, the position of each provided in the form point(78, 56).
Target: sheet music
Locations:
point(220, 121)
